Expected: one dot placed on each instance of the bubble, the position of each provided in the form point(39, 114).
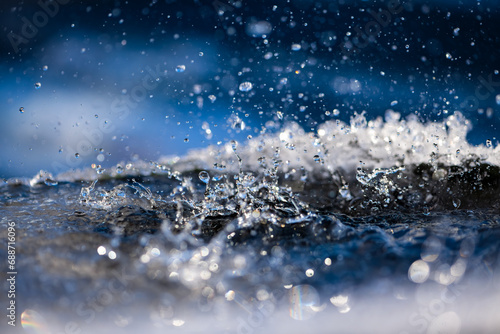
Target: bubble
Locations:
point(246, 86)
point(304, 302)
point(38, 85)
point(21, 110)
point(204, 176)
point(180, 68)
point(33, 322)
point(419, 271)
point(296, 47)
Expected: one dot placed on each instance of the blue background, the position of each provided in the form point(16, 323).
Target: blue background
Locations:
point(110, 90)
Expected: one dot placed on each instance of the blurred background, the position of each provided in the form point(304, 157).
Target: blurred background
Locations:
point(85, 82)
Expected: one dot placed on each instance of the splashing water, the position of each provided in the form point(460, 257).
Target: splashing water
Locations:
point(384, 210)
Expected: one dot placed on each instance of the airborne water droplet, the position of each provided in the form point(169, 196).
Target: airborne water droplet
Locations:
point(180, 68)
point(246, 86)
point(21, 110)
point(204, 176)
point(296, 47)
point(77, 155)
point(38, 85)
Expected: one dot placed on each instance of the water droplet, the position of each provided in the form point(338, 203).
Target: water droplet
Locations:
point(186, 140)
point(448, 55)
point(317, 159)
point(393, 103)
point(304, 302)
point(456, 203)
point(45, 68)
point(38, 85)
point(309, 272)
point(112, 255)
point(77, 155)
point(234, 145)
point(419, 271)
point(259, 29)
point(212, 98)
point(456, 31)
point(119, 169)
point(101, 250)
point(180, 68)
point(204, 176)
point(497, 99)
point(488, 143)
point(49, 182)
point(246, 86)
point(178, 322)
point(200, 54)
point(21, 110)
point(296, 47)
